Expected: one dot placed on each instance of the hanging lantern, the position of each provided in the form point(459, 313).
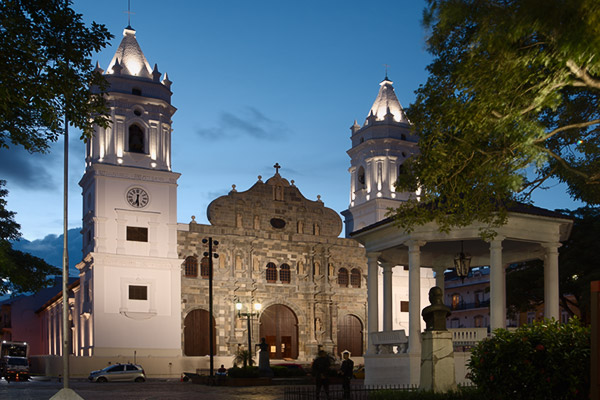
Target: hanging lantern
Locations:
point(462, 263)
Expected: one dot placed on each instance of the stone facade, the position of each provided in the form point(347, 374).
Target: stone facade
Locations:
point(273, 222)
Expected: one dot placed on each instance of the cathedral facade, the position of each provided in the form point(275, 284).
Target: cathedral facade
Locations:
point(280, 250)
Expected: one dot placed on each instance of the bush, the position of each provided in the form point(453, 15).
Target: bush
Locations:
point(462, 393)
point(544, 360)
point(244, 372)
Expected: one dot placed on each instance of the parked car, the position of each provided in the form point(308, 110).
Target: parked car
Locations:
point(119, 372)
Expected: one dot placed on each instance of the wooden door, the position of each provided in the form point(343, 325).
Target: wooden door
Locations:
point(350, 335)
point(196, 336)
point(279, 327)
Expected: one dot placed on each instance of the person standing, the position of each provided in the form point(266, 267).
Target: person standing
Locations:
point(347, 370)
point(320, 370)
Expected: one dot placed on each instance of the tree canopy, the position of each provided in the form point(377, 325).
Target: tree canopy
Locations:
point(512, 100)
point(46, 72)
point(19, 272)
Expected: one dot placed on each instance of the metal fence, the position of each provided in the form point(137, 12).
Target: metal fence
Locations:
point(357, 392)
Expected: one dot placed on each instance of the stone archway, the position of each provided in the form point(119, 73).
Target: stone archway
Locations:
point(350, 335)
point(196, 338)
point(279, 327)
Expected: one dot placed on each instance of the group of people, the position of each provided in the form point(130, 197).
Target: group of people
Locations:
point(321, 370)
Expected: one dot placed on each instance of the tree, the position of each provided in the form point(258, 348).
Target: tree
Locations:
point(46, 72)
point(579, 265)
point(19, 272)
point(512, 99)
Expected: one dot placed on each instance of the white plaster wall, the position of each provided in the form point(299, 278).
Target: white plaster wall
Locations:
point(122, 325)
point(400, 293)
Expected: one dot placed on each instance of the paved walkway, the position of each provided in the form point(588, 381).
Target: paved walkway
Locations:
point(149, 390)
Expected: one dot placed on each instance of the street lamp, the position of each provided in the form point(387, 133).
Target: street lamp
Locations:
point(248, 315)
point(462, 263)
point(212, 247)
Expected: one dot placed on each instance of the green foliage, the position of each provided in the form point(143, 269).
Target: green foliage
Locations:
point(46, 72)
point(243, 357)
point(463, 393)
point(512, 99)
point(19, 272)
point(9, 229)
point(284, 372)
point(244, 372)
point(544, 360)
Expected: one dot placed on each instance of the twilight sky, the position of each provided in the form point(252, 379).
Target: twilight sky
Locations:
point(254, 83)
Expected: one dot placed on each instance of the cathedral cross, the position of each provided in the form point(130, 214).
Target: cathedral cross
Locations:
point(128, 12)
point(277, 166)
point(386, 68)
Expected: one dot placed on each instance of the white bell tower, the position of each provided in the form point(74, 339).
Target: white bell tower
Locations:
point(130, 273)
point(379, 148)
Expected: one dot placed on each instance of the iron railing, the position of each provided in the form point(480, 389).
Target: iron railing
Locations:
point(357, 392)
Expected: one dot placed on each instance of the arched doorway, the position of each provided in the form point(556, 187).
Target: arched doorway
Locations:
point(196, 336)
point(350, 335)
point(279, 327)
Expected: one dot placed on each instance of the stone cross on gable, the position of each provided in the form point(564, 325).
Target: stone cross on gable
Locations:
point(277, 166)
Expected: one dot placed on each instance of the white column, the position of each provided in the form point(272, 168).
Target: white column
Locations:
point(497, 286)
point(551, 293)
point(387, 295)
point(372, 298)
point(414, 310)
point(439, 278)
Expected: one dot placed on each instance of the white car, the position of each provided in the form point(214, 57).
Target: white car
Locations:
point(119, 372)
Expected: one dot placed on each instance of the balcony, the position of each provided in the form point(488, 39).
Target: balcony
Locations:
point(469, 306)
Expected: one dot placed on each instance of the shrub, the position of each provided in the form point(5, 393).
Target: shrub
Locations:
point(244, 372)
point(462, 393)
point(544, 360)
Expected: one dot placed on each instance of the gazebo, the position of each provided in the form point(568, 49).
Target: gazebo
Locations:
point(530, 233)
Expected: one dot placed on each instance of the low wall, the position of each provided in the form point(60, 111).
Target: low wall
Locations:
point(155, 367)
point(394, 369)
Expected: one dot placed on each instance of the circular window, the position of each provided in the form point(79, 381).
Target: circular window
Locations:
point(277, 223)
point(137, 112)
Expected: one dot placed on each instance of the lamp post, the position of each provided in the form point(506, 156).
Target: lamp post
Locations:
point(462, 263)
point(212, 245)
point(248, 315)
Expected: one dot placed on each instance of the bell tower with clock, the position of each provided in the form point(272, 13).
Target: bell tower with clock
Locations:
point(130, 273)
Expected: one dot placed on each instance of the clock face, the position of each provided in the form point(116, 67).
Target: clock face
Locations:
point(137, 197)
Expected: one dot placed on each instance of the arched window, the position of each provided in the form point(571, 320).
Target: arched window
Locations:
point(360, 178)
point(136, 139)
point(355, 277)
point(204, 268)
point(284, 273)
point(271, 273)
point(191, 267)
point(343, 277)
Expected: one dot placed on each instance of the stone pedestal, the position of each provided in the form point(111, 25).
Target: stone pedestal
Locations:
point(437, 362)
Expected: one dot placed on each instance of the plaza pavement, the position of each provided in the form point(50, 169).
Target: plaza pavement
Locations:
point(152, 389)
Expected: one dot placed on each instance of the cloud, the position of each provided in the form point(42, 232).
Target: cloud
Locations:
point(249, 122)
point(28, 170)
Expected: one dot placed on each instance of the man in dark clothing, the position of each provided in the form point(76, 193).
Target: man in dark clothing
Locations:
point(347, 369)
point(320, 370)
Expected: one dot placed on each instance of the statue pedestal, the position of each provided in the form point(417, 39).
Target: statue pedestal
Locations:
point(437, 362)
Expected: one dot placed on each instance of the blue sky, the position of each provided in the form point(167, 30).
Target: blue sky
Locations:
point(254, 83)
